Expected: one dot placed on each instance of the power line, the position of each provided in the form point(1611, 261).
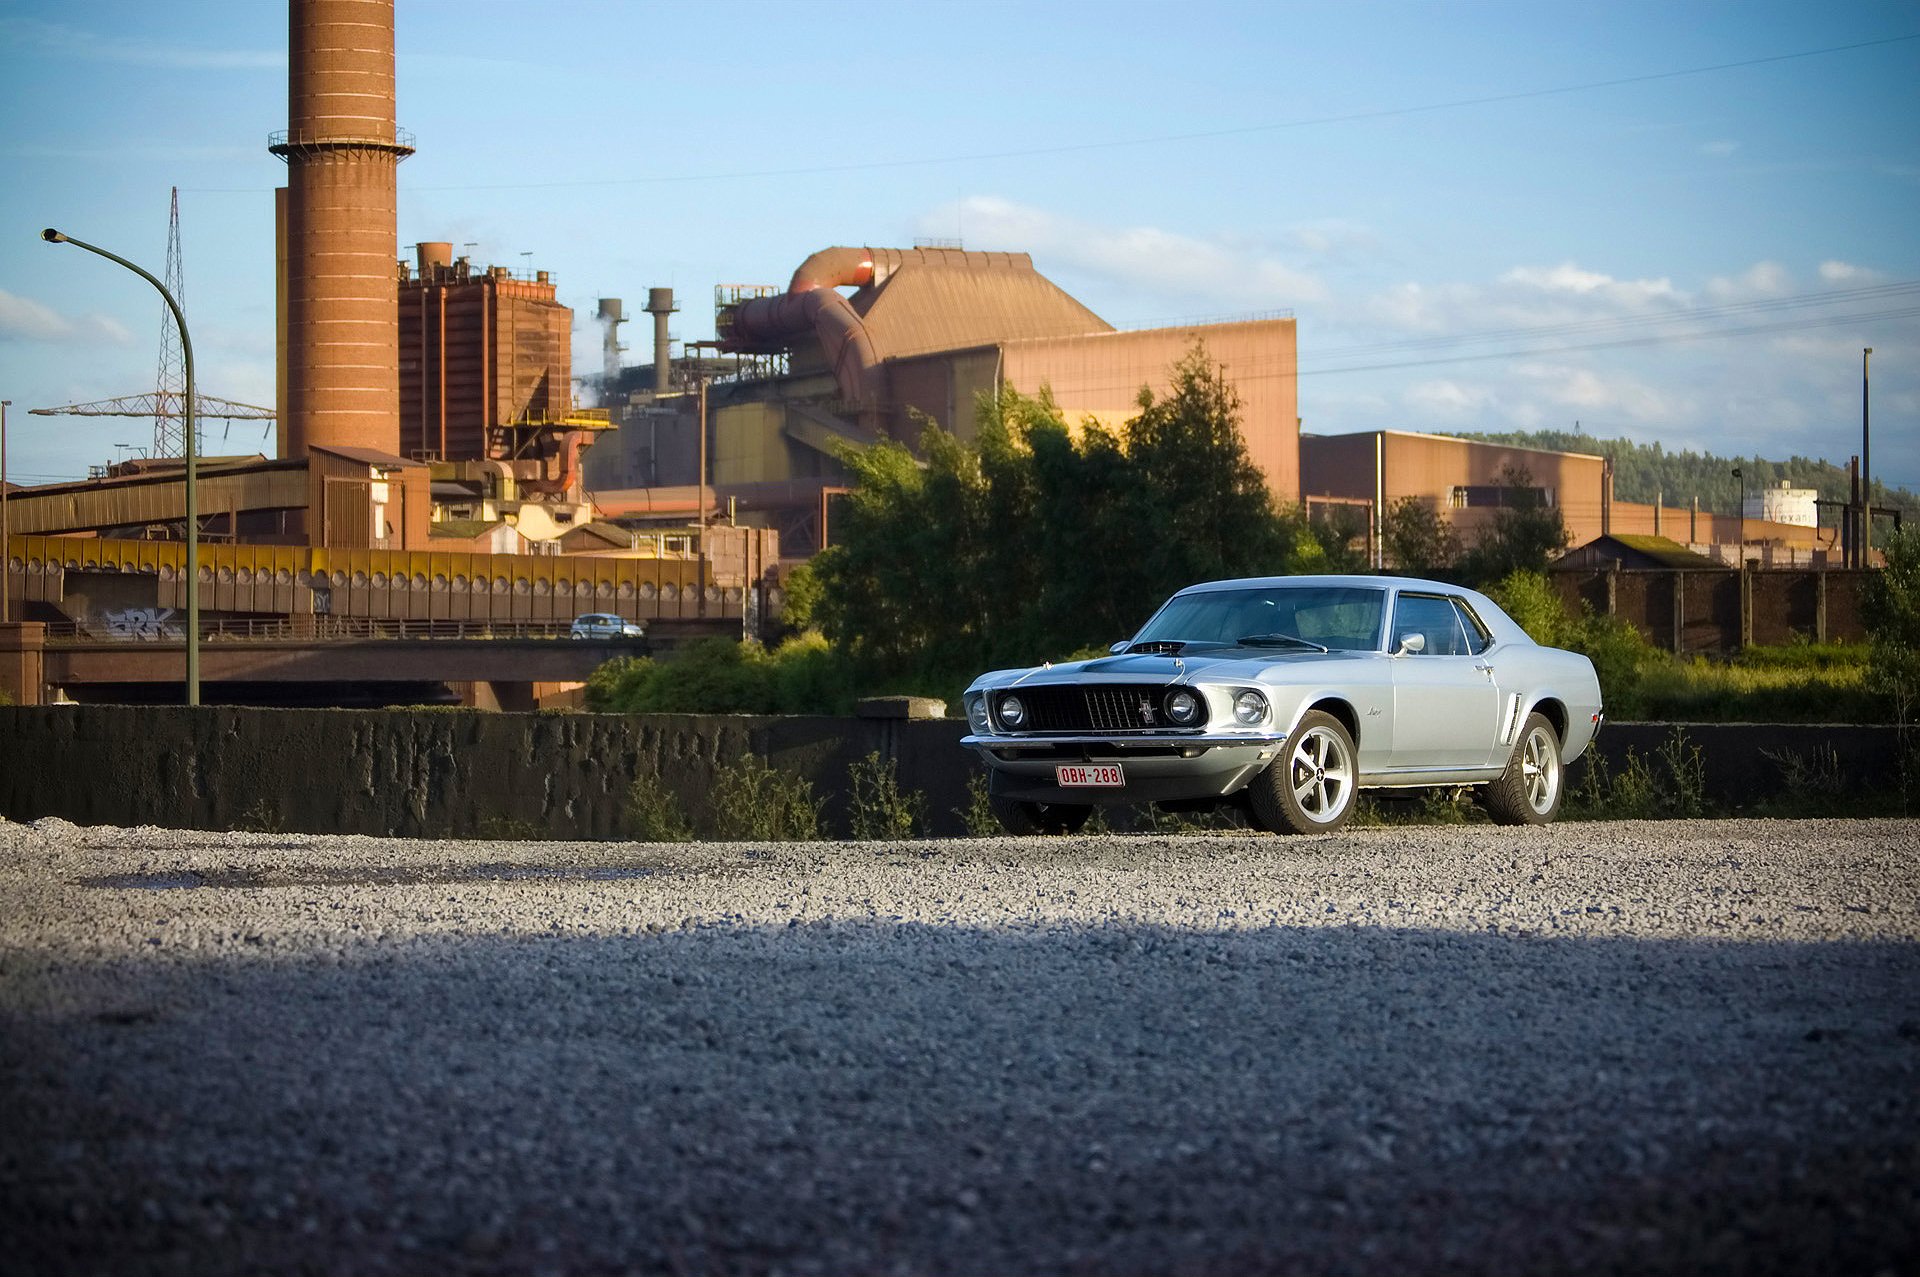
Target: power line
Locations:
point(1070, 148)
point(1660, 339)
point(1878, 292)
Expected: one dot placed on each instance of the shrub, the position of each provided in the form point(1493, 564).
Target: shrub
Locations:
point(653, 812)
point(877, 809)
point(1890, 606)
point(804, 675)
point(1621, 656)
point(978, 815)
point(1621, 659)
point(1535, 606)
point(811, 676)
point(752, 801)
point(803, 597)
point(1672, 786)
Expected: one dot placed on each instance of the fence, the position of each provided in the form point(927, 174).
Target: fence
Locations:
point(1719, 611)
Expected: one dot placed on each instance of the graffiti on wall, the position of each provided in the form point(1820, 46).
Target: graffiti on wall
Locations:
point(152, 624)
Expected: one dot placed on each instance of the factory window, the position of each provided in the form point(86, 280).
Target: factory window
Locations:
point(1479, 496)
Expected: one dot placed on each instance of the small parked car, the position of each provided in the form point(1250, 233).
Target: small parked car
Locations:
point(1287, 696)
point(604, 625)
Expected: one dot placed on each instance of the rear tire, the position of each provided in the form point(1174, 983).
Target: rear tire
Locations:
point(1310, 789)
point(1529, 791)
point(1024, 818)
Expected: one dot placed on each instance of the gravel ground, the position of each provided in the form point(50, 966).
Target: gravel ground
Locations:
point(1599, 1048)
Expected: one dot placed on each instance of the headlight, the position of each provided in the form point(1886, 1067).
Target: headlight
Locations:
point(1184, 709)
point(1012, 713)
point(977, 715)
point(1250, 709)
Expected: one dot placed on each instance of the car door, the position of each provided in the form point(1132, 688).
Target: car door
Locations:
point(1445, 705)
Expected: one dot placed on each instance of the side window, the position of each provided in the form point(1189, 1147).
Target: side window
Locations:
point(1432, 617)
point(1478, 637)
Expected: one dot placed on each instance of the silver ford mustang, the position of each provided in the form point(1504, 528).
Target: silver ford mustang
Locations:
point(1288, 695)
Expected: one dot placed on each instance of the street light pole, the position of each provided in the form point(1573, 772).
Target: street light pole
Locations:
point(1866, 470)
point(53, 236)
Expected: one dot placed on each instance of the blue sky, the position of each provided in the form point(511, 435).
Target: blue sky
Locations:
point(1673, 222)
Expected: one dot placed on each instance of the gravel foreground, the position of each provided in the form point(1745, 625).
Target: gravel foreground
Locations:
point(1599, 1048)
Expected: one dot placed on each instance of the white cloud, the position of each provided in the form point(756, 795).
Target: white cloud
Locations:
point(1570, 278)
point(1212, 274)
point(1762, 279)
point(23, 319)
point(1720, 148)
point(1449, 400)
point(1615, 395)
point(1847, 273)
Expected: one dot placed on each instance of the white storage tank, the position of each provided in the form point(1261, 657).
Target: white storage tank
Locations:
point(1782, 503)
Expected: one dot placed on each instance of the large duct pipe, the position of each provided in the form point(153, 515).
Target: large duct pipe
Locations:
point(834, 268)
point(660, 305)
point(342, 301)
point(811, 304)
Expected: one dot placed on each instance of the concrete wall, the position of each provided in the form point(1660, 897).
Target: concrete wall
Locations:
point(429, 773)
point(462, 773)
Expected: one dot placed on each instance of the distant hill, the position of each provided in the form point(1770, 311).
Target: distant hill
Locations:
point(1642, 470)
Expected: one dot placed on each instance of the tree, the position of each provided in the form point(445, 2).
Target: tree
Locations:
point(1890, 607)
point(1525, 534)
point(1215, 511)
point(1039, 540)
point(1417, 540)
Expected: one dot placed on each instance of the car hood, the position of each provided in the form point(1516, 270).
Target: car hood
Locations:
point(1232, 664)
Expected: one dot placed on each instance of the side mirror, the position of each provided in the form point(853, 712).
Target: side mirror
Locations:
point(1412, 645)
point(1117, 648)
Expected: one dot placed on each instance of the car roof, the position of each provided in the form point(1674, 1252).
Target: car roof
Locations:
point(1503, 626)
point(1351, 582)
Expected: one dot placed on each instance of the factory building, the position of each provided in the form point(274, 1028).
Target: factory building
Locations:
point(922, 335)
point(1466, 481)
point(486, 400)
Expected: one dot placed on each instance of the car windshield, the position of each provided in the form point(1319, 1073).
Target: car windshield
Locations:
point(1288, 617)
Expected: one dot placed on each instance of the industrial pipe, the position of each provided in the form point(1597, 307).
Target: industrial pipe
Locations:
point(810, 304)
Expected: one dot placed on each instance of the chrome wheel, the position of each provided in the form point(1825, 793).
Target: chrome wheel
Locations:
point(1321, 773)
point(1529, 791)
point(1309, 789)
point(1540, 769)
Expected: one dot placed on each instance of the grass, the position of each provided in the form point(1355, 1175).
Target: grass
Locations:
point(1759, 690)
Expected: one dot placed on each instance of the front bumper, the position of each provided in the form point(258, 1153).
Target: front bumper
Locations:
point(1158, 767)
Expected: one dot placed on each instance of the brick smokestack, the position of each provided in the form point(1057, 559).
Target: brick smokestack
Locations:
point(341, 301)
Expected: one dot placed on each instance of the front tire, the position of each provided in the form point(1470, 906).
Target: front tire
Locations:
point(1024, 818)
point(1311, 788)
point(1529, 791)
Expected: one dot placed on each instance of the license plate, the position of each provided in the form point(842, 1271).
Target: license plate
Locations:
point(1091, 776)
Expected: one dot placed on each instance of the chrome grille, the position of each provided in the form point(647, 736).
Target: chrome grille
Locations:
point(1094, 707)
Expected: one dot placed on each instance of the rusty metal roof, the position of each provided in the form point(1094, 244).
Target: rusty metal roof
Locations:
point(366, 456)
point(929, 299)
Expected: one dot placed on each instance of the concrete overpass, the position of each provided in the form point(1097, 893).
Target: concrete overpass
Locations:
point(469, 666)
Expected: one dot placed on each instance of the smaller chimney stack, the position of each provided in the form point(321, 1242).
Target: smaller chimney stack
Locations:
point(660, 305)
